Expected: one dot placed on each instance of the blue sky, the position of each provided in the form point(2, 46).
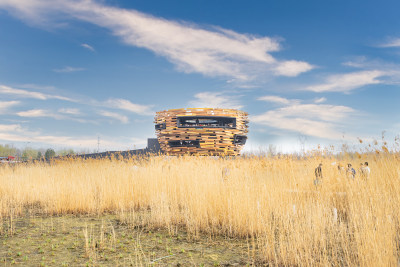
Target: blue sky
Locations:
point(325, 72)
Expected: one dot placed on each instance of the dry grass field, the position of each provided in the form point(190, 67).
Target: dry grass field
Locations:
point(201, 211)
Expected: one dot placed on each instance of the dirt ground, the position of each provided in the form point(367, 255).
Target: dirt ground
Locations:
point(104, 241)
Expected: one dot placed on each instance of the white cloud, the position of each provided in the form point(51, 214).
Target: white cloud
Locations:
point(36, 87)
point(292, 68)
point(214, 100)
point(68, 69)
point(16, 133)
point(70, 111)
point(387, 72)
point(278, 99)
point(113, 115)
point(115, 103)
point(322, 112)
point(212, 52)
point(349, 81)
point(320, 100)
point(394, 42)
point(39, 113)
point(124, 104)
point(10, 128)
point(42, 113)
point(323, 121)
point(33, 113)
point(4, 105)
point(7, 90)
point(89, 47)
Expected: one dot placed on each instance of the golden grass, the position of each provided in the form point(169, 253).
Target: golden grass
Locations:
point(271, 202)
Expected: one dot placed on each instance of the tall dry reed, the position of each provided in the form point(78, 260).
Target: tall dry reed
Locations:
point(271, 201)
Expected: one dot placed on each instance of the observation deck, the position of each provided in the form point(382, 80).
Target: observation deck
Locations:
point(202, 131)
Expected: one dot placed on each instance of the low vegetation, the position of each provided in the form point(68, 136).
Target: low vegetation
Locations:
point(266, 210)
point(29, 153)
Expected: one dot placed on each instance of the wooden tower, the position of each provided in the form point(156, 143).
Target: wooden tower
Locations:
point(202, 131)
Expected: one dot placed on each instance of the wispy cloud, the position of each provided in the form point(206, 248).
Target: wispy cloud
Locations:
point(72, 113)
point(31, 86)
point(322, 121)
point(39, 113)
point(115, 116)
point(17, 133)
point(89, 47)
point(213, 51)
point(69, 111)
point(278, 99)
point(348, 81)
point(43, 113)
point(124, 104)
point(389, 71)
point(21, 93)
point(4, 105)
point(68, 69)
point(114, 103)
point(392, 42)
point(320, 100)
point(10, 127)
point(214, 100)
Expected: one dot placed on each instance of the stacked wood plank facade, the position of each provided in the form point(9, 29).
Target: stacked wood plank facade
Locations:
point(202, 131)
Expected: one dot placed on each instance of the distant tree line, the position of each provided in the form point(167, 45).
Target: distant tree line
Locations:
point(29, 153)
